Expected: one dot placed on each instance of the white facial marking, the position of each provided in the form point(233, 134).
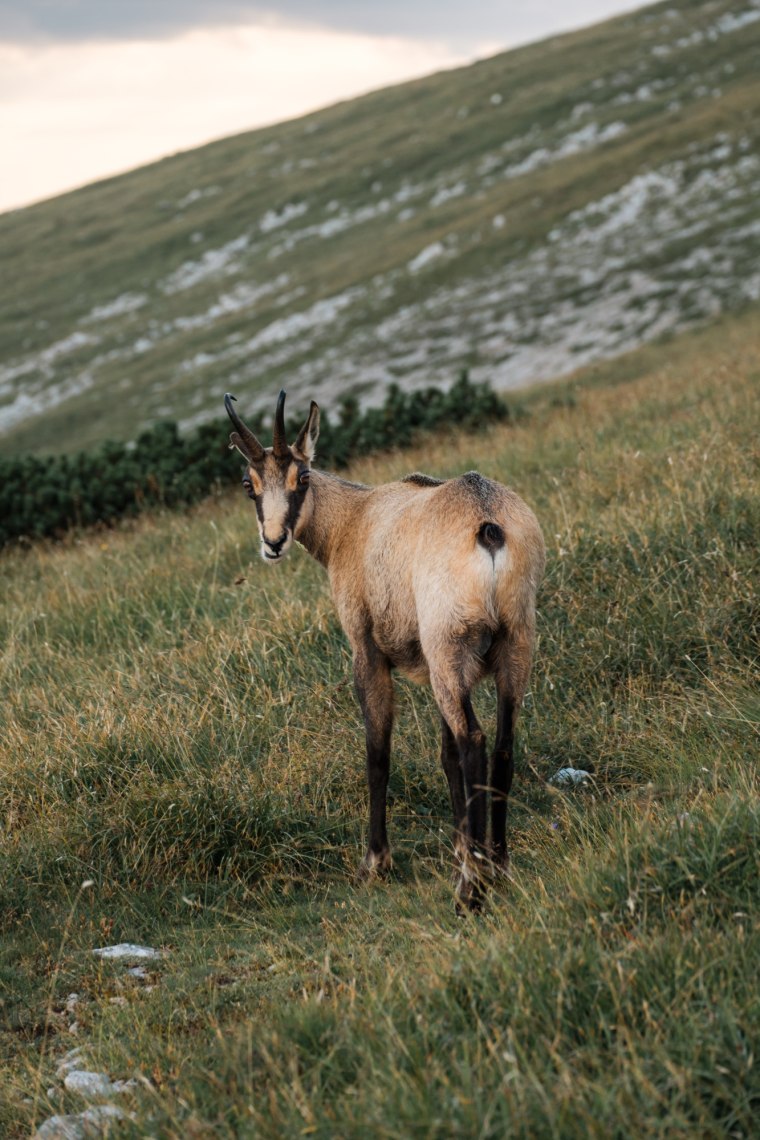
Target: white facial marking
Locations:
point(273, 529)
point(274, 507)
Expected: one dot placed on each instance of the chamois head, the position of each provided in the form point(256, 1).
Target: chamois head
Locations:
point(276, 477)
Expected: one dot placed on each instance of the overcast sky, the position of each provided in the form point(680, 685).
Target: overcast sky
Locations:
point(89, 88)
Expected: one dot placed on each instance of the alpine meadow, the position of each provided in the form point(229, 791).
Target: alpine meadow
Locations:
point(181, 751)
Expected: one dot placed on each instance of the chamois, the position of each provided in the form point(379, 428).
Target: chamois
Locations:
point(435, 578)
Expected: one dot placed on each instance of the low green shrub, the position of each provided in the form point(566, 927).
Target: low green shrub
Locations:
point(45, 496)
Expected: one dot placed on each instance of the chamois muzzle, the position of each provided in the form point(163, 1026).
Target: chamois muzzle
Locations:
point(273, 550)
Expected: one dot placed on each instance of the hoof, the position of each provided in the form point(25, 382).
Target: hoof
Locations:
point(374, 865)
point(499, 867)
point(470, 898)
point(471, 885)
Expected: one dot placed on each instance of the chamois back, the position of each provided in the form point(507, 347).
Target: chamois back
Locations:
point(425, 562)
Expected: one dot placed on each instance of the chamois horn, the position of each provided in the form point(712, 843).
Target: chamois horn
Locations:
point(243, 438)
point(279, 440)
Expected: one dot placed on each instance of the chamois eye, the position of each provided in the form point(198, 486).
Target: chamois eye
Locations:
point(303, 478)
point(248, 486)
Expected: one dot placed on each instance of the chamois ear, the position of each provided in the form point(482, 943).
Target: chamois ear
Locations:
point(306, 443)
point(236, 441)
point(243, 438)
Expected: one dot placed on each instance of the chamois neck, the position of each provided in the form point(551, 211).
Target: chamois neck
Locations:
point(333, 506)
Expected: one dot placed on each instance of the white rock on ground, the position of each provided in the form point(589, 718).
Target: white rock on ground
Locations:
point(83, 1126)
point(569, 777)
point(127, 950)
point(127, 1085)
point(74, 1059)
point(88, 1084)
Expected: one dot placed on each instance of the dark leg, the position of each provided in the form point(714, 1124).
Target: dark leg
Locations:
point(472, 757)
point(374, 688)
point(453, 769)
point(502, 770)
point(457, 711)
point(511, 676)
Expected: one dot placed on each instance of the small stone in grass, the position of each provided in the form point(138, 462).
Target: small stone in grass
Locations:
point(569, 777)
point(83, 1126)
point(88, 1084)
point(129, 950)
point(71, 1060)
point(127, 1085)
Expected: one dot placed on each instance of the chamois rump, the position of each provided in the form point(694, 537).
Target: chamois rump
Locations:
point(435, 578)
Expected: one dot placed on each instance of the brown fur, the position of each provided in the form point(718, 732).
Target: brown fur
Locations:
point(424, 584)
point(405, 565)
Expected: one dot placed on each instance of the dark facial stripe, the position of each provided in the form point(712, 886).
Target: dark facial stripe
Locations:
point(295, 503)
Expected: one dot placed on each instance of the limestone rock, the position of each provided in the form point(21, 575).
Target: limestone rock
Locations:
point(95, 1122)
point(74, 1059)
point(128, 950)
point(569, 777)
point(88, 1084)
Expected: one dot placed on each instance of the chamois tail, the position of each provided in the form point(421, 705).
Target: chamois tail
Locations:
point(491, 537)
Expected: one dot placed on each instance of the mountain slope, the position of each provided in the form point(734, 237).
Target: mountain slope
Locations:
point(521, 216)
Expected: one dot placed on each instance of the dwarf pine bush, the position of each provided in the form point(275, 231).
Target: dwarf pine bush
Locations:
point(45, 496)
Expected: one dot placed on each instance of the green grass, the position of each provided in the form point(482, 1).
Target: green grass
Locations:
point(179, 731)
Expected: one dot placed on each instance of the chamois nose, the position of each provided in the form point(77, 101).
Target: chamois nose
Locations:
point(276, 547)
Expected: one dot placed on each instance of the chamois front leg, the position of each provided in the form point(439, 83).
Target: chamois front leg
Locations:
point(374, 688)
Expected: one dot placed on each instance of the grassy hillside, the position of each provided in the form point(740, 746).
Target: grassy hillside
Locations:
point(521, 217)
point(179, 733)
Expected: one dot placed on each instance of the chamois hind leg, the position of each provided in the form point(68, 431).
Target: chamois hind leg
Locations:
point(453, 769)
point(511, 682)
point(502, 771)
point(374, 688)
point(456, 709)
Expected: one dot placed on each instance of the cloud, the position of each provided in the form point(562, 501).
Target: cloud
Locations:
point(73, 112)
point(464, 25)
point(91, 87)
